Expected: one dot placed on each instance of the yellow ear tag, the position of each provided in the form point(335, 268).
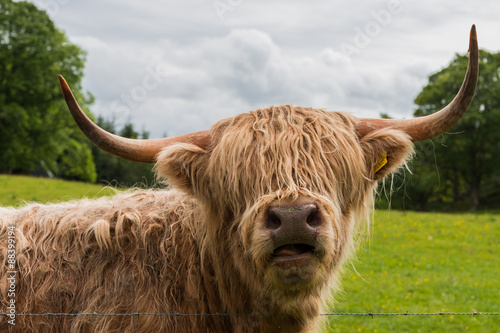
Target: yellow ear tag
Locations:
point(381, 161)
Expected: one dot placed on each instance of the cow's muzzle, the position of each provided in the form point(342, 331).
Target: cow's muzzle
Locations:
point(294, 231)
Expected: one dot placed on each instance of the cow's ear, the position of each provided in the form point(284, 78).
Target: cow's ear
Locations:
point(385, 150)
point(182, 166)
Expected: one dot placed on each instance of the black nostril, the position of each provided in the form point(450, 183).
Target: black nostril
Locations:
point(313, 219)
point(272, 221)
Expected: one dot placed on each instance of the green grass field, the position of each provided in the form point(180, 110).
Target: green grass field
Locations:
point(415, 262)
point(421, 263)
point(16, 190)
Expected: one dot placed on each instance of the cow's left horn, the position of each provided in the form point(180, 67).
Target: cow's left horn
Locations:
point(137, 150)
point(427, 127)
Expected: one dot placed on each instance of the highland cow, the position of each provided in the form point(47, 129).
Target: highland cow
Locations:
point(265, 208)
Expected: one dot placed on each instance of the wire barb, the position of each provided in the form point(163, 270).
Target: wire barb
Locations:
point(371, 314)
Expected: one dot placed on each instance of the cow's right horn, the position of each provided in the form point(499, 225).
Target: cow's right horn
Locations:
point(137, 150)
point(427, 127)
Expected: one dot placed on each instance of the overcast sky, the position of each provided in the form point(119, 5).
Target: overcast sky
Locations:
point(178, 66)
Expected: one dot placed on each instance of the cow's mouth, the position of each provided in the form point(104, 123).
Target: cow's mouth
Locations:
point(293, 255)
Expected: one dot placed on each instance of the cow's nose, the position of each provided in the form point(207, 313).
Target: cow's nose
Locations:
point(293, 223)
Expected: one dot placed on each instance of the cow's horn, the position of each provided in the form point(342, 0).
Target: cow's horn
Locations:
point(137, 150)
point(430, 126)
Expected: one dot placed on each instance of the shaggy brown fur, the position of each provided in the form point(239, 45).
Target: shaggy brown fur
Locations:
point(203, 247)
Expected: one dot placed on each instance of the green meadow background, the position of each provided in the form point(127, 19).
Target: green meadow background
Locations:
point(415, 262)
point(423, 263)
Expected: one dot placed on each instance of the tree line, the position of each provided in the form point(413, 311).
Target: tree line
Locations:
point(458, 170)
point(37, 132)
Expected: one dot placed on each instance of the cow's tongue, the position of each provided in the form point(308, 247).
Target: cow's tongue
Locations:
point(291, 250)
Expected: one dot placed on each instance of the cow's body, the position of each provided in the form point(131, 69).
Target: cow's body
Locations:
point(129, 253)
point(267, 207)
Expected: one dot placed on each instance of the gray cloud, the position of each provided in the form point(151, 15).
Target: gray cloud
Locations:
point(262, 53)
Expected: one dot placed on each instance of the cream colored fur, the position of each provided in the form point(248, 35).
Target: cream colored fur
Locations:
point(203, 247)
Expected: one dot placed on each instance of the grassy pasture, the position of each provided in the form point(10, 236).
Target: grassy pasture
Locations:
point(415, 262)
point(16, 190)
point(421, 263)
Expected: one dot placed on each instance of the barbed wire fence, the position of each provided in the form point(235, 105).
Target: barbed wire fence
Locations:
point(367, 314)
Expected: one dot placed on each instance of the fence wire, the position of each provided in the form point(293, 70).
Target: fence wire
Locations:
point(368, 314)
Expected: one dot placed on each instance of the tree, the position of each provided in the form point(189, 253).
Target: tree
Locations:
point(467, 156)
point(35, 125)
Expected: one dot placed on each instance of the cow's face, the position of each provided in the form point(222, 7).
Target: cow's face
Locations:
point(285, 188)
